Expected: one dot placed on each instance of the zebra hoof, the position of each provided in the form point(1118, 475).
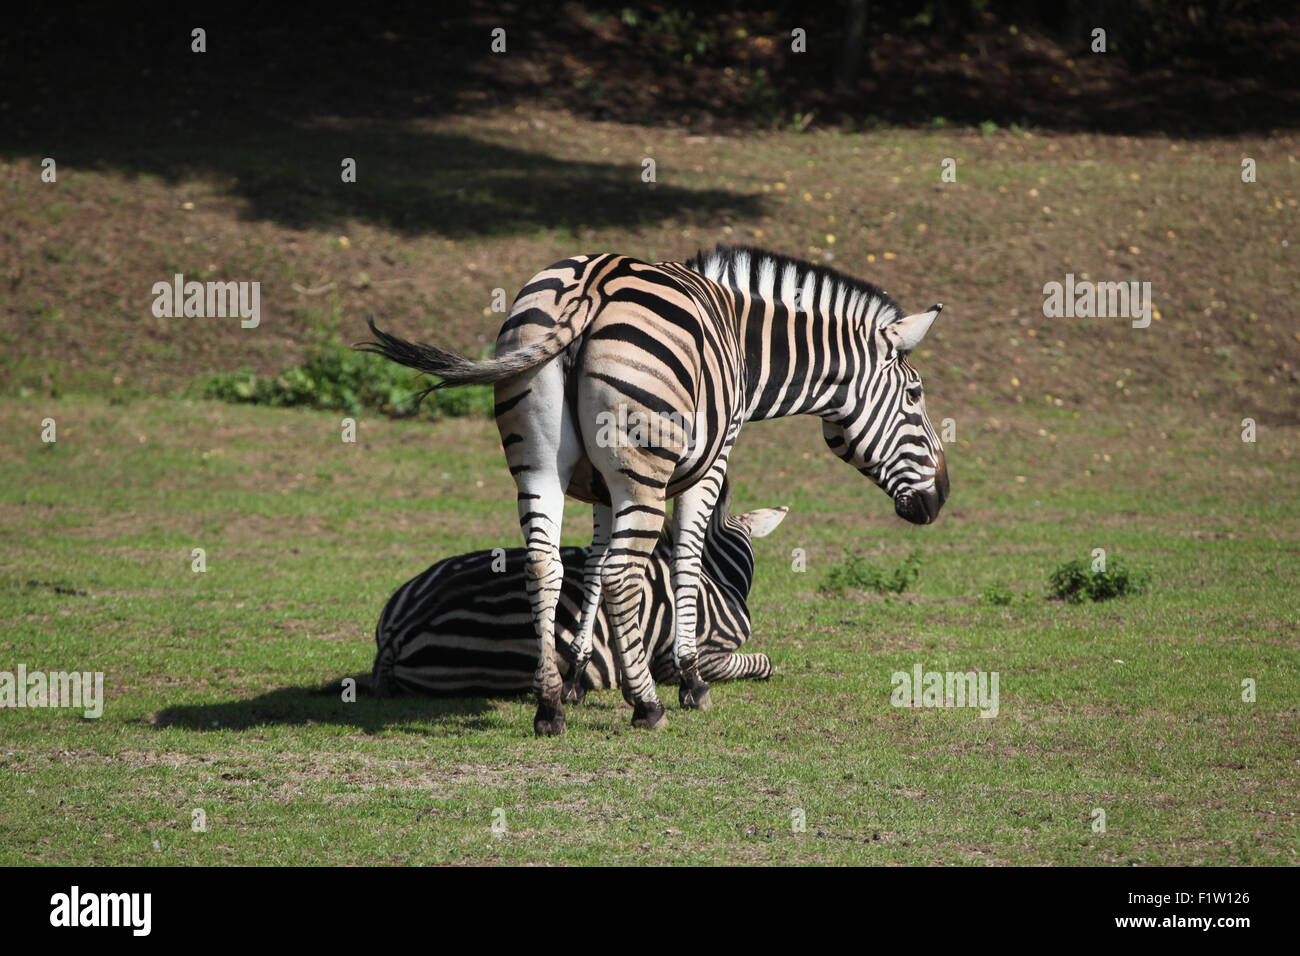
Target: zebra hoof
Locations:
point(574, 692)
point(549, 722)
point(649, 716)
point(694, 696)
point(695, 700)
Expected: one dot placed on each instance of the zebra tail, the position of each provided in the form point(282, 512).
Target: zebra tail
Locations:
point(455, 369)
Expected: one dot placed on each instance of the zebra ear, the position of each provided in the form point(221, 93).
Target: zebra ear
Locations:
point(761, 523)
point(906, 333)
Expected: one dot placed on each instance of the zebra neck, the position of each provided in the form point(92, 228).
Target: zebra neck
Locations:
point(792, 361)
point(806, 331)
point(730, 566)
point(723, 612)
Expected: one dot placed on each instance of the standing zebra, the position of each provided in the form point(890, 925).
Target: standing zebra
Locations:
point(464, 626)
point(596, 343)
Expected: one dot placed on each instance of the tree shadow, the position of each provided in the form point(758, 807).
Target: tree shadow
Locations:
point(273, 107)
point(408, 181)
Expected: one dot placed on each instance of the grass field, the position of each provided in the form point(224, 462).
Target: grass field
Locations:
point(1133, 707)
point(1071, 435)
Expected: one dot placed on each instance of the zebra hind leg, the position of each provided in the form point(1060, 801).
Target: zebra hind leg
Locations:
point(636, 527)
point(544, 575)
point(542, 448)
point(541, 510)
point(574, 690)
point(691, 516)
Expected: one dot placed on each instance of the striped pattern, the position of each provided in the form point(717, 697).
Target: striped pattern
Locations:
point(464, 627)
point(800, 319)
point(596, 346)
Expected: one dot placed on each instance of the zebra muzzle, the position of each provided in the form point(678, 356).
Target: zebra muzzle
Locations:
point(921, 506)
point(918, 507)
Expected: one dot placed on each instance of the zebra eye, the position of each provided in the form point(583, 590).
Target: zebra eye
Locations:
point(914, 393)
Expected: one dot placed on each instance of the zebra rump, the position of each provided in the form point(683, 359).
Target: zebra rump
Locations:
point(464, 627)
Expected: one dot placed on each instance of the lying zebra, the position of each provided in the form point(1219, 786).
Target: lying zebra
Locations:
point(465, 628)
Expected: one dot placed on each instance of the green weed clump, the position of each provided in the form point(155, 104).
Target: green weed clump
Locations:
point(1075, 581)
point(999, 595)
point(856, 573)
point(345, 380)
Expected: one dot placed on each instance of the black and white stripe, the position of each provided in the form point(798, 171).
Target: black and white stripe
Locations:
point(464, 627)
point(702, 347)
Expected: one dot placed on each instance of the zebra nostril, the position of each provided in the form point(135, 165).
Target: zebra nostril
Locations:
point(911, 506)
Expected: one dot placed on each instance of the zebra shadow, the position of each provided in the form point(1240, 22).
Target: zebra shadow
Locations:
point(315, 704)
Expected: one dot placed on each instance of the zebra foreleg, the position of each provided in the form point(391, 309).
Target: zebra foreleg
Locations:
point(574, 691)
point(691, 517)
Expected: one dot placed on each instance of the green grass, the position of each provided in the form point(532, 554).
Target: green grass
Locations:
point(1132, 706)
point(1071, 436)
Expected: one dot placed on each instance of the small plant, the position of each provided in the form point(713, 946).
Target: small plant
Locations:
point(998, 595)
point(857, 573)
point(801, 121)
point(348, 381)
point(683, 38)
point(762, 97)
point(1075, 581)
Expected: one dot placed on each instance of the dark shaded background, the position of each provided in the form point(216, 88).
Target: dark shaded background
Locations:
point(82, 74)
point(120, 89)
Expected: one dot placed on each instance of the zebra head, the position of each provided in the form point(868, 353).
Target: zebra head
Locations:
point(884, 431)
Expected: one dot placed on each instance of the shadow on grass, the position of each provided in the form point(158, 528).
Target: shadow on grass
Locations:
point(301, 706)
point(410, 181)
